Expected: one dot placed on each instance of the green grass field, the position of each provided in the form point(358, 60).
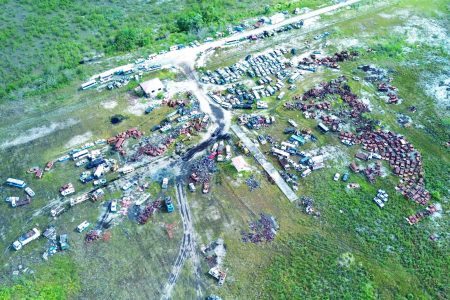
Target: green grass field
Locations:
point(353, 251)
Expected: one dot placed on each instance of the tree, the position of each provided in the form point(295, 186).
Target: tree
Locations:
point(189, 21)
point(128, 39)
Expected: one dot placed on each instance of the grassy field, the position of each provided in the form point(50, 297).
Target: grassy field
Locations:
point(353, 251)
point(42, 43)
point(356, 250)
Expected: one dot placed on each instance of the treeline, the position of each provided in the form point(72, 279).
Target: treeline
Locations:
point(42, 42)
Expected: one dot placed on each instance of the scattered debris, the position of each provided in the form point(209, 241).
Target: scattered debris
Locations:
point(308, 204)
point(252, 183)
point(263, 230)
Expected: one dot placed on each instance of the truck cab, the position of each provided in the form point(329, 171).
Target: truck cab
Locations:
point(165, 183)
point(169, 204)
point(63, 242)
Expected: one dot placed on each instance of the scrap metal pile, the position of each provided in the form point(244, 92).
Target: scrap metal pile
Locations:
point(414, 219)
point(261, 65)
point(93, 235)
point(263, 230)
point(381, 79)
point(252, 183)
point(402, 157)
point(308, 204)
point(336, 87)
point(149, 210)
point(254, 121)
point(309, 63)
point(186, 122)
point(202, 169)
point(120, 139)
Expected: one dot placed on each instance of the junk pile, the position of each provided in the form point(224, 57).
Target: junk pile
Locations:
point(125, 204)
point(54, 244)
point(120, 139)
point(185, 122)
point(310, 63)
point(403, 158)
point(308, 204)
point(372, 172)
point(404, 120)
point(254, 121)
point(414, 219)
point(149, 210)
point(261, 65)
point(381, 79)
point(202, 169)
point(93, 235)
point(214, 254)
point(263, 230)
point(336, 87)
point(252, 183)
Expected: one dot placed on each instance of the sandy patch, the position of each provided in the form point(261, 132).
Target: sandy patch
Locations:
point(38, 132)
point(109, 104)
point(438, 88)
point(425, 31)
point(137, 109)
point(78, 139)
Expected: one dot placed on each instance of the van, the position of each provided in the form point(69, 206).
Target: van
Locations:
point(83, 226)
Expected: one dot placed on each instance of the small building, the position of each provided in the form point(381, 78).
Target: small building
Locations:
point(240, 164)
point(152, 87)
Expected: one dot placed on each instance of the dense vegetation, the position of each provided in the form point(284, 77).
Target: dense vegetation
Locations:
point(58, 279)
point(42, 42)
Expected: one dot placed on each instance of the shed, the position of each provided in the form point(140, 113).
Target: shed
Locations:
point(240, 164)
point(152, 87)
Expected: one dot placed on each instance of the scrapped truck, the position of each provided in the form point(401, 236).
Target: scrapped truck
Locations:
point(26, 238)
point(16, 202)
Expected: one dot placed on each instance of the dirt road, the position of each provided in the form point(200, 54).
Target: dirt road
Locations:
point(187, 248)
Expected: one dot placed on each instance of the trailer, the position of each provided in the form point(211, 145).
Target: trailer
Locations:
point(26, 238)
point(142, 199)
point(57, 211)
point(126, 169)
point(22, 202)
point(294, 77)
point(79, 199)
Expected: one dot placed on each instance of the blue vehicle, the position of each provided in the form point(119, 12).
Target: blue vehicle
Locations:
point(345, 177)
point(95, 163)
point(304, 160)
point(16, 182)
point(87, 179)
point(169, 205)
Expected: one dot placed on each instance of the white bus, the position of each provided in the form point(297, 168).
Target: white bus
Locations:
point(280, 152)
point(88, 84)
point(80, 154)
point(16, 182)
